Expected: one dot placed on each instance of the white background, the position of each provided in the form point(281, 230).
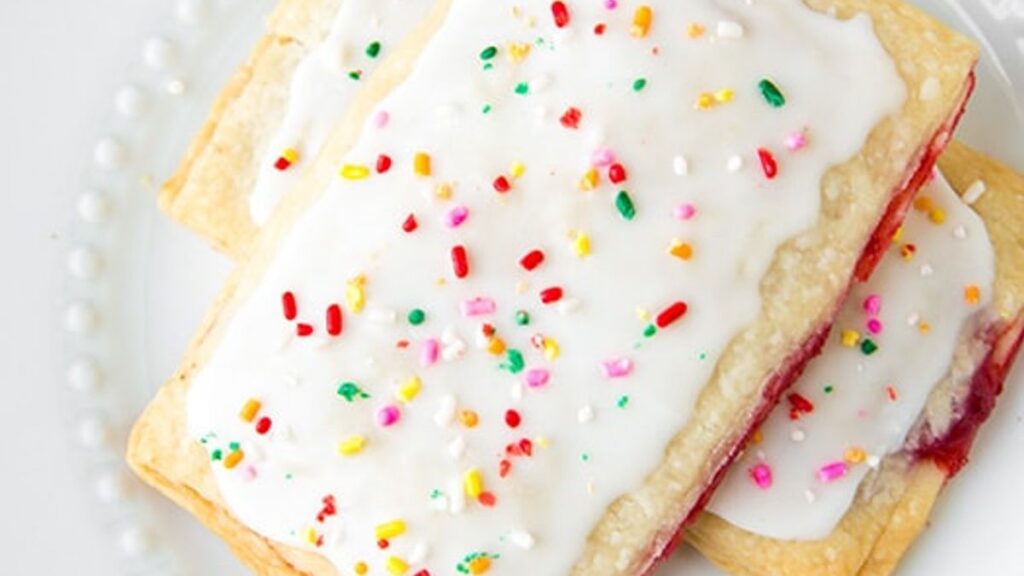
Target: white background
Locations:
point(60, 63)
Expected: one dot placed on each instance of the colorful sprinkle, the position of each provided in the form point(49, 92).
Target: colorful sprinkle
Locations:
point(768, 164)
point(671, 314)
point(685, 211)
point(352, 445)
point(488, 53)
point(351, 392)
point(641, 22)
point(771, 93)
point(624, 204)
point(798, 405)
point(389, 530)
point(388, 416)
point(513, 419)
point(639, 84)
point(868, 347)
point(288, 158)
point(560, 12)
point(477, 307)
point(430, 352)
point(409, 389)
point(581, 245)
point(537, 377)
point(421, 164)
point(617, 368)
point(409, 225)
point(551, 295)
point(681, 250)
point(761, 474)
point(334, 320)
point(531, 260)
point(972, 294)
point(501, 185)
point(250, 409)
point(460, 261)
point(354, 172)
point(289, 306)
point(832, 471)
point(571, 118)
point(417, 316)
point(383, 163)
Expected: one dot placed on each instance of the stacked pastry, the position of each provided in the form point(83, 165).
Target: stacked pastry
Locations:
point(519, 279)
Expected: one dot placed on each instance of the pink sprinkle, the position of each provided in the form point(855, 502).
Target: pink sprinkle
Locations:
point(875, 326)
point(381, 119)
point(873, 304)
point(761, 474)
point(611, 4)
point(617, 368)
point(249, 473)
point(602, 157)
point(684, 211)
point(456, 216)
point(478, 307)
point(537, 377)
point(388, 416)
point(430, 351)
point(796, 140)
point(832, 471)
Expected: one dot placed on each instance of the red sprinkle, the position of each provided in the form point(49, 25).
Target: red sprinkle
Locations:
point(504, 468)
point(561, 14)
point(599, 29)
point(410, 223)
point(282, 164)
point(533, 259)
point(303, 329)
point(487, 499)
point(423, 572)
point(768, 164)
point(383, 544)
point(551, 295)
point(617, 173)
point(334, 323)
point(329, 509)
point(669, 315)
point(263, 425)
point(513, 419)
point(798, 404)
point(383, 163)
point(460, 261)
point(571, 118)
point(291, 310)
point(502, 185)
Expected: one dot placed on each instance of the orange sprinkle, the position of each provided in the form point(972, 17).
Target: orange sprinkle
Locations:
point(468, 418)
point(681, 250)
point(233, 459)
point(360, 568)
point(855, 455)
point(907, 251)
point(891, 393)
point(590, 180)
point(479, 565)
point(757, 437)
point(421, 164)
point(641, 22)
point(695, 30)
point(972, 294)
point(250, 410)
point(937, 215)
point(924, 327)
point(923, 204)
point(496, 346)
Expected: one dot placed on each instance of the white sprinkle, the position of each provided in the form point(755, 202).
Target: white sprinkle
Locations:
point(797, 435)
point(960, 232)
point(457, 502)
point(927, 270)
point(680, 166)
point(913, 319)
point(874, 461)
point(734, 164)
point(522, 539)
point(974, 192)
point(176, 87)
point(540, 83)
point(419, 553)
point(109, 154)
point(585, 414)
point(94, 208)
point(729, 29)
point(516, 391)
point(454, 351)
point(809, 496)
point(457, 448)
point(130, 102)
point(381, 315)
point(445, 411)
point(159, 53)
point(439, 504)
point(568, 306)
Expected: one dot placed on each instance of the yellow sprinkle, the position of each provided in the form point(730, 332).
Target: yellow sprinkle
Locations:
point(581, 245)
point(972, 294)
point(517, 169)
point(724, 95)
point(704, 102)
point(396, 565)
point(590, 180)
point(354, 172)
point(517, 51)
point(898, 235)
point(410, 389)
point(907, 251)
point(389, 530)
point(468, 418)
point(855, 455)
point(352, 445)
point(850, 338)
point(310, 536)
point(355, 294)
point(496, 346)
point(695, 30)
point(680, 250)
point(291, 155)
point(443, 191)
point(522, 287)
point(643, 314)
point(551, 349)
point(233, 459)
point(924, 327)
point(542, 441)
point(421, 164)
point(473, 482)
point(937, 215)
point(479, 565)
point(250, 410)
point(361, 568)
point(923, 204)
point(641, 22)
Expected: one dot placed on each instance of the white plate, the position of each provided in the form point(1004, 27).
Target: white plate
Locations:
point(155, 280)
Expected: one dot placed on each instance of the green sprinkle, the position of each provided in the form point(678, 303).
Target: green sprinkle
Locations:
point(417, 316)
point(523, 88)
point(435, 494)
point(771, 93)
point(373, 49)
point(355, 74)
point(625, 205)
point(702, 356)
point(488, 66)
point(488, 53)
point(487, 109)
point(585, 457)
point(650, 331)
point(868, 347)
point(639, 84)
point(351, 392)
point(217, 455)
point(828, 389)
point(234, 446)
point(623, 401)
point(515, 363)
point(289, 476)
point(522, 317)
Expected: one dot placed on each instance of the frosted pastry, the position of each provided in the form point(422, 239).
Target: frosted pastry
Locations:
point(544, 278)
point(841, 478)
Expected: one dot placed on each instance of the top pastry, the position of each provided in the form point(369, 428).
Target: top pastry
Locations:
point(545, 276)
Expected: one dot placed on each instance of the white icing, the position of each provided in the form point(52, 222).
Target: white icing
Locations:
point(94, 432)
point(159, 53)
point(837, 79)
point(84, 376)
point(85, 263)
point(859, 412)
point(130, 102)
point(94, 208)
point(109, 154)
point(322, 89)
point(81, 318)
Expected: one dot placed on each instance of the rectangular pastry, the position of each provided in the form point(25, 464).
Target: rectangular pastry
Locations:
point(841, 479)
point(550, 270)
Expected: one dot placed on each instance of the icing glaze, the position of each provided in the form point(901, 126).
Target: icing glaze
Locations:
point(856, 403)
point(363, 34)
point(523, 258)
